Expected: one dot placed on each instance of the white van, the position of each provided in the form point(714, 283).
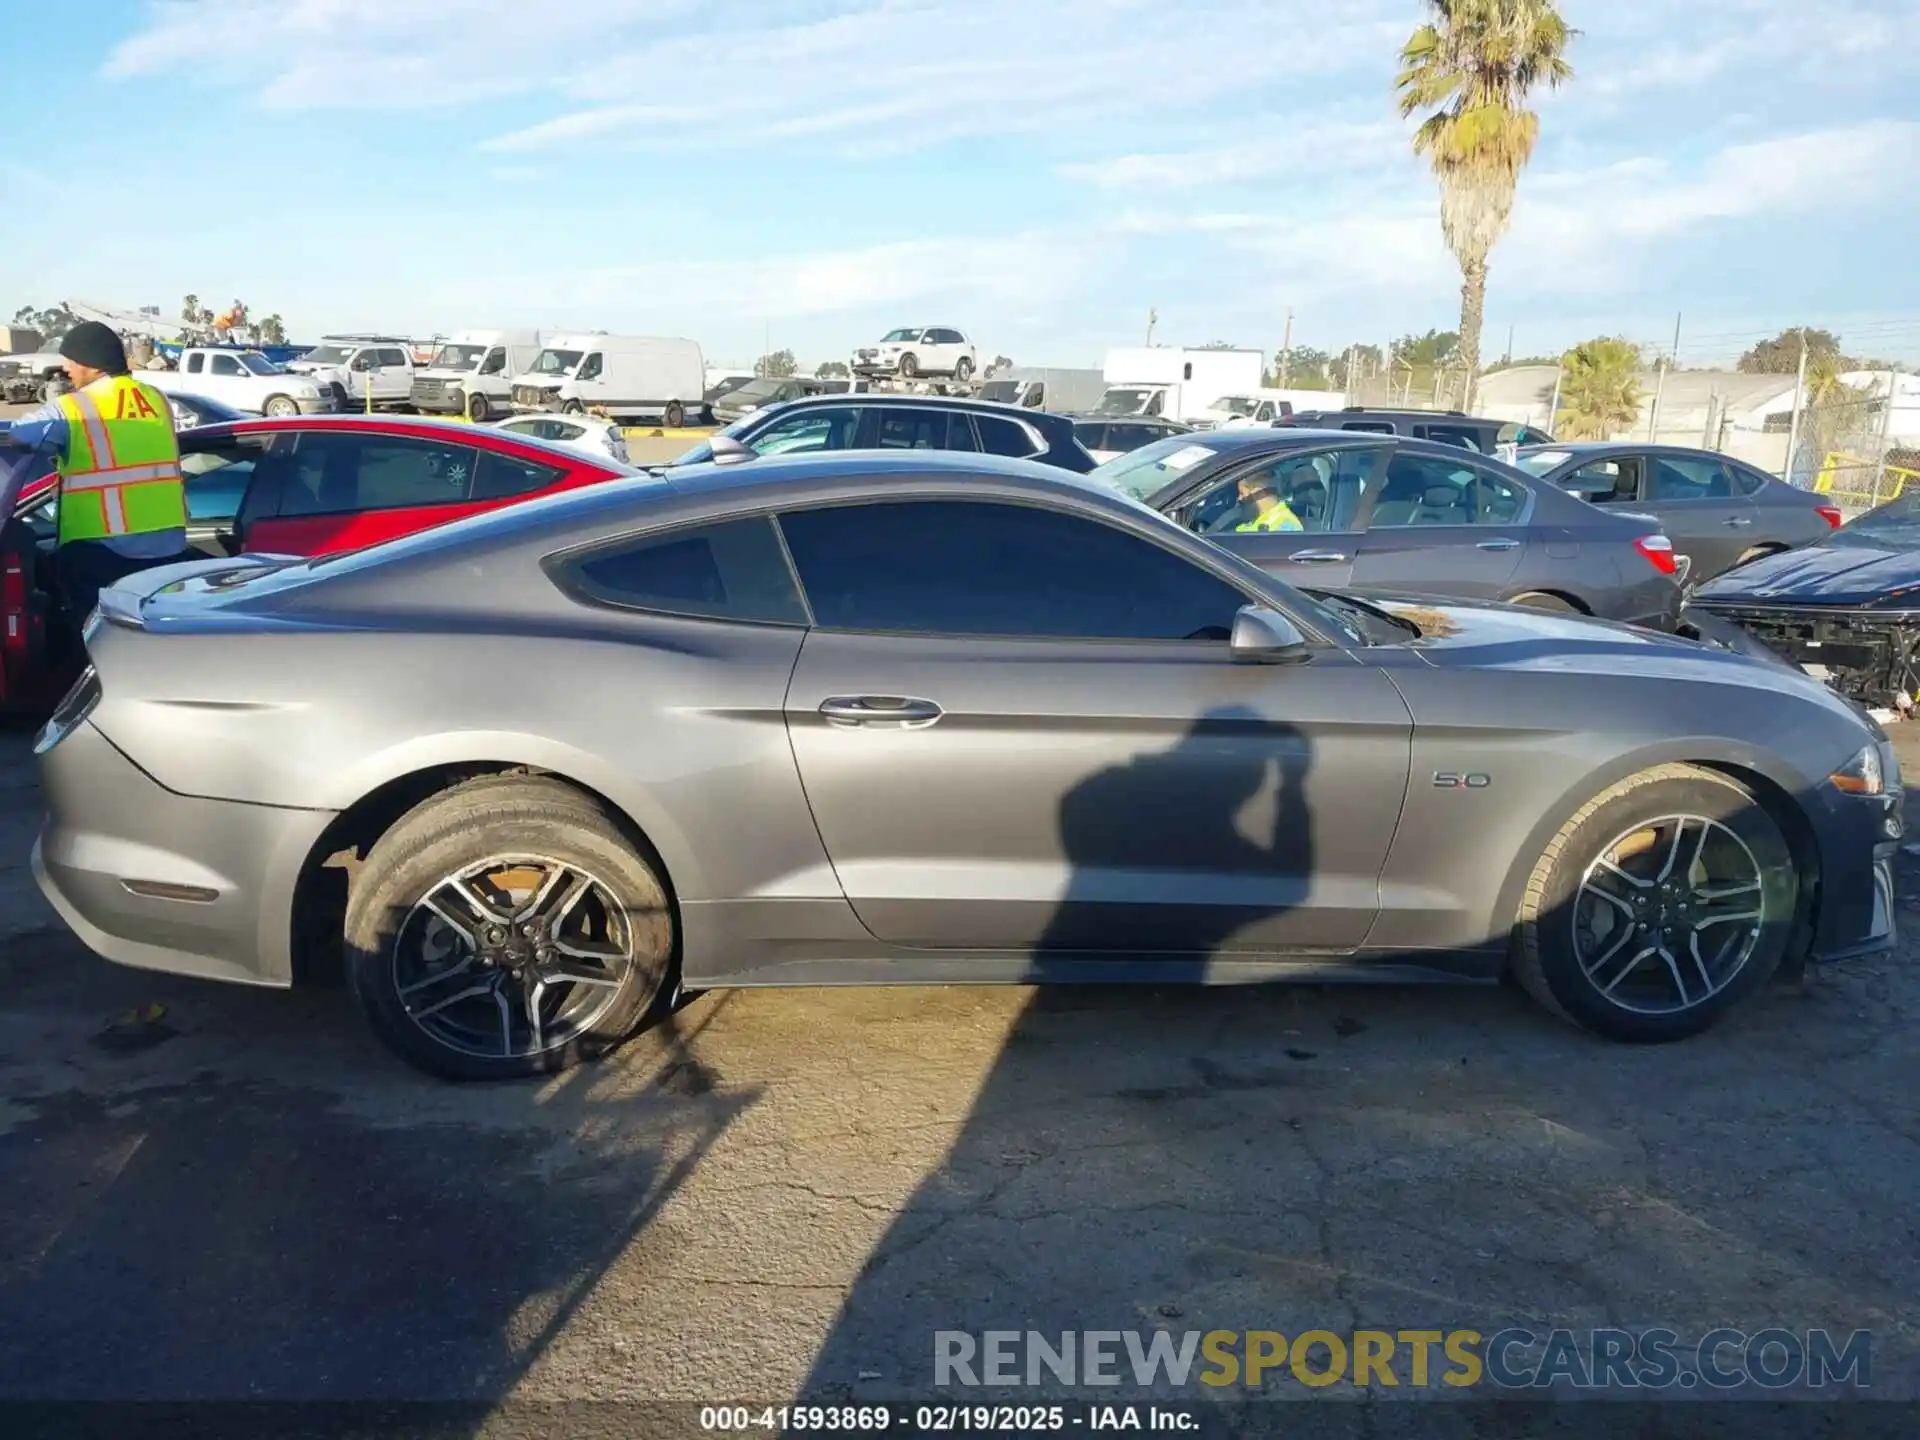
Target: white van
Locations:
point(471, 372)
point(625, 376)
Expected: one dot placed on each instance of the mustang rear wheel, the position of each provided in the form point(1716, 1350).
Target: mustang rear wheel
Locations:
point(1665, 901)
point(506, 928)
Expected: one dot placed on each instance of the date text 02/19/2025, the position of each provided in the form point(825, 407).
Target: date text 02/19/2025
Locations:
point(942, 1419)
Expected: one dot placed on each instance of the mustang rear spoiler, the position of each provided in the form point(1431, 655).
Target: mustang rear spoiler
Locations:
point(124, 602)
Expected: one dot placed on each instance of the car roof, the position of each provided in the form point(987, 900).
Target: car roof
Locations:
point(1388, 413)
point(885, 400)
point(1591, 448)
point(417, 426)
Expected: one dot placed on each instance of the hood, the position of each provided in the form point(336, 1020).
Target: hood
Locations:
point(1460, 633)
point(1850, 572)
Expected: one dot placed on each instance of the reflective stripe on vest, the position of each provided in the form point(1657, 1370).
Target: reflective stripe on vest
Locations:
point(124, 453)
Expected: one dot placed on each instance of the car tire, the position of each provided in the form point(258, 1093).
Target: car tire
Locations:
point(675, 416)
point(479, 408)
point(963, 370)
point(518, 825)
point(573, 407)
point(1540, 600)
point(1565, 959)
point(909, 367)
point(1757, 552)
point(279, 407)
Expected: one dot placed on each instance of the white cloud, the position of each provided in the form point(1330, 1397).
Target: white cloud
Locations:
point(649, 74)
point(1309, 149)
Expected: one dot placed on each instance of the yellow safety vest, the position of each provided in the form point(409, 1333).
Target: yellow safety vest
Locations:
point(121, 473)
point(1280, 517)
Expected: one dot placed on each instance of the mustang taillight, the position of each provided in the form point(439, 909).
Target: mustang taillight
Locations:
point(1831, 514)
point(1659, 552)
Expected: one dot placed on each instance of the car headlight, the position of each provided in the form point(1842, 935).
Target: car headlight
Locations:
point(1864, 774)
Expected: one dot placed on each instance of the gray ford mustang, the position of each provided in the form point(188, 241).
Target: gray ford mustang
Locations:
point(886, 718)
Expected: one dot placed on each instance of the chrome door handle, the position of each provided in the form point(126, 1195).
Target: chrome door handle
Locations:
point(1317, 557)
point(900, 710)
point(1737, 520)
point(1498, 545)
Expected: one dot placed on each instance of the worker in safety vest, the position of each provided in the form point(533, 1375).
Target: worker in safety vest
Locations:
point(122, 503)
point(1268, 510)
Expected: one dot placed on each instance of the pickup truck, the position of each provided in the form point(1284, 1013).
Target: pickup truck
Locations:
point(244, 379)
point(23, 378)
point(350, 365)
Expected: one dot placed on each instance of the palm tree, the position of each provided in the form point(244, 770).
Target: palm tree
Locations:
point(1599, 389)
point(1472, 67)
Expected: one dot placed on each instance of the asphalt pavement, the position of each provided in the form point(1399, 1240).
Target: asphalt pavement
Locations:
point(218, 1193)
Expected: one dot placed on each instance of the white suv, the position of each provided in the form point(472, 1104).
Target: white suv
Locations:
point(919, 350)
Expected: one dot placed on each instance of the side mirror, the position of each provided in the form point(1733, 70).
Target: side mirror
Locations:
point(1266, 637)
point(729, 451)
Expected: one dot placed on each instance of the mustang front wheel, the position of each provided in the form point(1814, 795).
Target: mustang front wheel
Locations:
point(1666, 900)
point(506, 928)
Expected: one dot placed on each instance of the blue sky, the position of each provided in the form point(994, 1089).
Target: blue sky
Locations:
point(816, 171)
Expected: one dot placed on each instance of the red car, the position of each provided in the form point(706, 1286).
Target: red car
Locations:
point(303, 485)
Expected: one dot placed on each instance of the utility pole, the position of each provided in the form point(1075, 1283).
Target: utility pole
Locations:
point(1553, 405)
point(1153, 319)
point(1509, 359)
point(1659, 385)
point(1799, 400)
point(1286, 349)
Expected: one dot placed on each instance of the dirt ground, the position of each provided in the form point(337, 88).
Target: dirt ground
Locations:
point(780, 1193)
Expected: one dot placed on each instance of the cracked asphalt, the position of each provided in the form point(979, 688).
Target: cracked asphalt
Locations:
point(242, 1197)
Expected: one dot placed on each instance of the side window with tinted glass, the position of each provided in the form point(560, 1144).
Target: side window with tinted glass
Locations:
point(226, 365)
point(729, 570)
point(1372, 427)
point(393, 359)
point(962, 567)
point(902, 428)
point(1683, 477)
point(216, 477)
point(1745, 481)
point(1463, 436)
point(1419, 490)
point(196, 362)
point(589, 367)
point(495, 363)
point(499, 477)
point(1004, 437)
point(825, 428)
point(341, 473)
point(1320, 490)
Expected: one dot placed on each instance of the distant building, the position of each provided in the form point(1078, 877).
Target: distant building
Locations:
point(19, 340)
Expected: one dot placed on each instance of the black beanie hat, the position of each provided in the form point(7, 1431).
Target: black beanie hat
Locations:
point(92, 344)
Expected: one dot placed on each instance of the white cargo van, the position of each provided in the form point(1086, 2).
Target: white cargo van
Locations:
point(471, 372)
point(629, 377)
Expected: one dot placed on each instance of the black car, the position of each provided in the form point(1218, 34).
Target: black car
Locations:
point(904, 422)
point(1718, 512)
point(1107, 436)
point(1846, 606)
point(1412, 517)
point(1448, 427)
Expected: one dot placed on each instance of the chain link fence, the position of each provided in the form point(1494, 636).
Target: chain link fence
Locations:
point(1846, 448)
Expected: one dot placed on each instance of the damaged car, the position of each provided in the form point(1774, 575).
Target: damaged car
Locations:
point(1846, 608)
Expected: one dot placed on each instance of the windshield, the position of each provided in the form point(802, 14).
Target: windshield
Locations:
point(897, 336)
point(1539, 462)
point(1894, 525)
point(1145, 472)
point(1125, 402)
point(328, 355)
point(458, 357)
point(1234, 404)
point(556, 362)
point(759, 389)
point(259, 364)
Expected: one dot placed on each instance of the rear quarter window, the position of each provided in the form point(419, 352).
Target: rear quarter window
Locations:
point(731, 570)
